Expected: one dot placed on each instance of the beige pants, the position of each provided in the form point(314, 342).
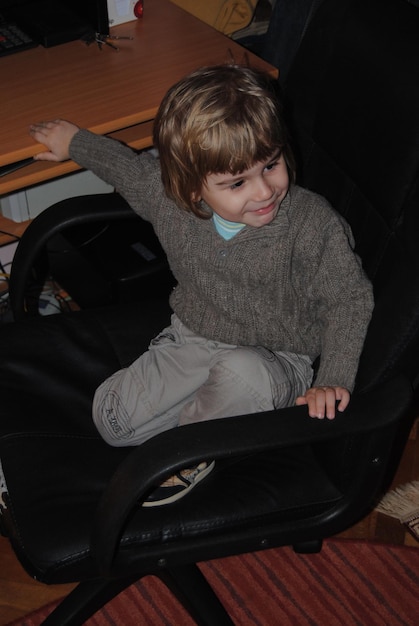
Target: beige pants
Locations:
point(185, 378)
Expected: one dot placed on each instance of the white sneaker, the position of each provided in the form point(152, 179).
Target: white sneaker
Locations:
point(178, 485)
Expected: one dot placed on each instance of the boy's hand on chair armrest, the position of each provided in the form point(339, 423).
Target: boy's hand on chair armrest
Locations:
point(321, 401)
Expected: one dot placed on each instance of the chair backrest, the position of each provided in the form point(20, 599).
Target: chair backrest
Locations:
point(287, 26)
point(353, 95)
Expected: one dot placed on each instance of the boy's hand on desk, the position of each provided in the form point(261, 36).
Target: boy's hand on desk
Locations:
point(55, 135)
point(321, 401)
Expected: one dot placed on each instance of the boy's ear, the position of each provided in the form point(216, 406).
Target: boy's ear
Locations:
point(196, 196)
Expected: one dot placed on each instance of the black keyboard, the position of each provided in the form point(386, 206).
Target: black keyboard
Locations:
point(13, 39)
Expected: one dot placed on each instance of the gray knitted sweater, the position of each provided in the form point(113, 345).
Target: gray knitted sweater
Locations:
point(293, 285)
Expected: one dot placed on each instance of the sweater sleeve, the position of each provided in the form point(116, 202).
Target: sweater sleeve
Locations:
point(345, 303)
point(136, 176)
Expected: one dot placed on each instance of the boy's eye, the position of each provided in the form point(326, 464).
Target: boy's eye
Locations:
point(272, 166)
point(237, 184)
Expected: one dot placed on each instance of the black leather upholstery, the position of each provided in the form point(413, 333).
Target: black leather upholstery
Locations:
point(281, 478)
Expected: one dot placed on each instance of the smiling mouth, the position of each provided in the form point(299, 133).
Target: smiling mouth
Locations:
point(266, 209)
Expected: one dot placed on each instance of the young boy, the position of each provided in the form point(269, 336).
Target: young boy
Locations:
point(267, 280)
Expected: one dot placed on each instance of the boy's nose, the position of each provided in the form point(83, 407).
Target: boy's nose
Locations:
point(262, 190)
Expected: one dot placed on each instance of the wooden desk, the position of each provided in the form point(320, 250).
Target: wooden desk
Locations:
point(106, 91)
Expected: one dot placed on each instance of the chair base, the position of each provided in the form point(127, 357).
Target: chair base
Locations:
point(186, 582)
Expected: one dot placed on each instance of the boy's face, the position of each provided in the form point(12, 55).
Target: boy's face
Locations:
point(252, 197)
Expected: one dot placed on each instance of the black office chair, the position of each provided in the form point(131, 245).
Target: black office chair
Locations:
point(281, 478)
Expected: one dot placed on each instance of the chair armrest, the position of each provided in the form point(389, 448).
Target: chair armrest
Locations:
point(58, 217)
point(149, 464)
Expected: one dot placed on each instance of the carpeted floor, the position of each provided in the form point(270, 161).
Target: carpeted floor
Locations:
point(349, 583)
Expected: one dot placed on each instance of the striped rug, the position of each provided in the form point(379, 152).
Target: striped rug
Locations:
point(348, 583)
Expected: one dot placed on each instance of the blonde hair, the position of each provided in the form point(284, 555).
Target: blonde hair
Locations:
point(218, 119)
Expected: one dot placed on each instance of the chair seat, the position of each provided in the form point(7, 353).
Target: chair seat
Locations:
point(54, 513)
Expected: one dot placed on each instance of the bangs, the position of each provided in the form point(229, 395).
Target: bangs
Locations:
point(234, 146)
